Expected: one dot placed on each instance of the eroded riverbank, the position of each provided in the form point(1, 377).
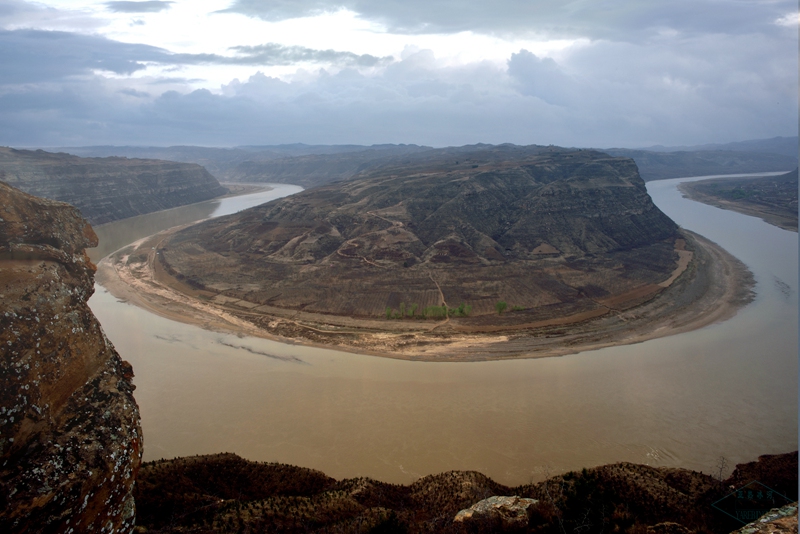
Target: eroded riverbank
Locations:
point(707, 286)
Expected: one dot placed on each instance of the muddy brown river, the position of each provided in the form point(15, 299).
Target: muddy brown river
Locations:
point(682, 401)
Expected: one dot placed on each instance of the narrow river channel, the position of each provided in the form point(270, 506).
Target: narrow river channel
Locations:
point(681, 401)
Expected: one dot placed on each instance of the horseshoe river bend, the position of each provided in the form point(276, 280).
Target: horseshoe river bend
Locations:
point(729, 389)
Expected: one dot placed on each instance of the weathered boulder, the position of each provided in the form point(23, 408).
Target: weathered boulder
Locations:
point(507, 513)
point(777, 521)
point(70, 438)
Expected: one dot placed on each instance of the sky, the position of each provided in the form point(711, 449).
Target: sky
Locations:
point(589, 73)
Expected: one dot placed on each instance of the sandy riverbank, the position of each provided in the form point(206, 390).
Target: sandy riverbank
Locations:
point(708, 285)
point(236, 189)
point(769, 214)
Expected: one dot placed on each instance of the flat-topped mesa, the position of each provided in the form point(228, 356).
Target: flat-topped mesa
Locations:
point(108, 189)
point(555, 232)
point(70, 440)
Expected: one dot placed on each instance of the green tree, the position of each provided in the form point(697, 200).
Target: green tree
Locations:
point(500, 307)
point(413, 309)
point(388, 312)
point(402, 309)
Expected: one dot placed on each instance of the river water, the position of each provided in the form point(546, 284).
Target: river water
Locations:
point(682, 401)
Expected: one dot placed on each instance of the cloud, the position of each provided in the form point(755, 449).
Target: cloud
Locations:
point(22, 14)
point(275, 54)
point(790, 20)
point(608, 94)
point(150, 6)
point(134, 93)
point(541, 78)
point(36, 56)
point(649, 73)
point(578, 18)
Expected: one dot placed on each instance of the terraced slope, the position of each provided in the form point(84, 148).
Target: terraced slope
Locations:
point(552, 231)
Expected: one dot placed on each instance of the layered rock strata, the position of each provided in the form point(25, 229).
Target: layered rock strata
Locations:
point(70, 438)
point(108, 189)
point(555, 232)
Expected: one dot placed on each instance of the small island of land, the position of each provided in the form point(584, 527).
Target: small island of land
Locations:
point(772, 198)
point(498, 253)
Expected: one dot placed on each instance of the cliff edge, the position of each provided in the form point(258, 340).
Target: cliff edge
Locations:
point(108, 189)
point(70, 438)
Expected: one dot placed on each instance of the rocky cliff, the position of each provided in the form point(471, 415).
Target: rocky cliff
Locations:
point(305, 165)
point(70, 440)
point(107, 189)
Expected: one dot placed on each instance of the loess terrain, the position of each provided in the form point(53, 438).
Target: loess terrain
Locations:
point(772, 198)
point(107, 189)
point(415, 257)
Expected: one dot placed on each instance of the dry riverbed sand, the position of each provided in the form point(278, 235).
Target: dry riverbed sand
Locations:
point(708, 285)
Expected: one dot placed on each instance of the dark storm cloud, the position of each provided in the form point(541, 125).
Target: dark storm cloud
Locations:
point(613, 94)
point(715, 79)
point(621, 19)
point(151, 6)
point(35, 56)
point(541, 77)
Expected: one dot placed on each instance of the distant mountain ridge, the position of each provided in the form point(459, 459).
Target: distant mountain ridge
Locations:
point(300, 164)
point(314, 165)
point(788, 146)
point(665, 165)
point(107, 189)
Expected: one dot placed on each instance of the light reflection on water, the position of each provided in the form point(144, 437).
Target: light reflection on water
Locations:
point(117, 234)
point(729, 389)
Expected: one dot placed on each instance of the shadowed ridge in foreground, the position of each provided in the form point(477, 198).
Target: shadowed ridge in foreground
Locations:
point(70, 440)
point(225, 493)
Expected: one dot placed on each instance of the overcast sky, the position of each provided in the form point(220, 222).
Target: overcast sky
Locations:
point(599, 73)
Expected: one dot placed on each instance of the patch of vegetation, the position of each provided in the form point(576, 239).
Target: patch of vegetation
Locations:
point(226, 494)
point(431, 312)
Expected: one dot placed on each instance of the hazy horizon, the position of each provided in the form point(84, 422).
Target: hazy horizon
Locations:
point(226, 73)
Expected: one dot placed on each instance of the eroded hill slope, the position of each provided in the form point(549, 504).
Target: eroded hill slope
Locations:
point(107, 189)
point(554, 232)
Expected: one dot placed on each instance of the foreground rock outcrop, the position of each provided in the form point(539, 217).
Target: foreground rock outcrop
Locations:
point(226, 494)
point(70, 439)
point(501, 513)
point(781, 520)
point(107, 189)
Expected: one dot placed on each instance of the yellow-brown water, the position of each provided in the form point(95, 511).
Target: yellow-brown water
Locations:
point(727, 390)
